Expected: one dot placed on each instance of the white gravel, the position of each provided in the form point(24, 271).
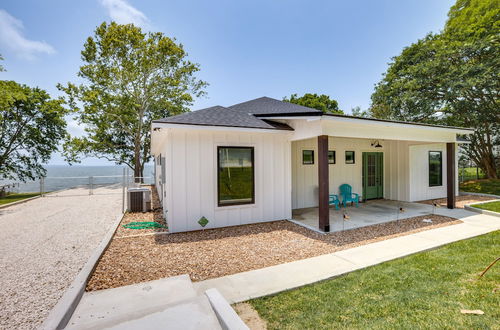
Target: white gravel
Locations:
point(43, 245)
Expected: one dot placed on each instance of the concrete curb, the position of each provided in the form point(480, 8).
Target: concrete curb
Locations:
point(60, 315)
point(470, 207)
point(478, 194)
point(226, 315)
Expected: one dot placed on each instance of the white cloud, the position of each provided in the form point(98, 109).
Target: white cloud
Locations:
point(122, 12)
point(11, 37)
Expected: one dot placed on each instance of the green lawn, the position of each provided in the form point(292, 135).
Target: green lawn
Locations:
point(492, 206)
point(16, 197)
point(486, 186)
point(424, 291)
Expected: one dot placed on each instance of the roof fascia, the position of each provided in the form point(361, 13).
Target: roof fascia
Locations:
point(159, 125)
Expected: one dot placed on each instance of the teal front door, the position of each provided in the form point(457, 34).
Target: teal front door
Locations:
point(373, 169)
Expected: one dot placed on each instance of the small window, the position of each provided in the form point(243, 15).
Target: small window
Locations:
point(236, 181)
point(435, 168)
point(307, 157)
point(349, 157)
point(331, 156)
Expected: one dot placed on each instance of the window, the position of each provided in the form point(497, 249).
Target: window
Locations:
point(435, 168)
point(331, 156)
point(235, 176)
point(349, 157)
point(307, 157)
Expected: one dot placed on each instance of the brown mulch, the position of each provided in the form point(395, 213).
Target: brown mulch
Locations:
point(224, 251)
point(155, 215)
point(460, 200)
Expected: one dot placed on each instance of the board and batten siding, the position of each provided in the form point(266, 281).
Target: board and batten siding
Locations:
point(191, 161)
point(419, 170)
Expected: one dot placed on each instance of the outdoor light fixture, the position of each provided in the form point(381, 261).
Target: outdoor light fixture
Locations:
point(376, 144)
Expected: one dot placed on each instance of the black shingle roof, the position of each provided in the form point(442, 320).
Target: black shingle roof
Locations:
point(241, 115)
point(221, 116)
point(248, 115)
point(266, 105)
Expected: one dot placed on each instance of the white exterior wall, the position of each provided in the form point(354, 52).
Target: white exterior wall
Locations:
point(191, 160)
point(419, 169)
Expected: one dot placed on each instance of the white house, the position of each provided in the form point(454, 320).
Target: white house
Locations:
point(258, 160)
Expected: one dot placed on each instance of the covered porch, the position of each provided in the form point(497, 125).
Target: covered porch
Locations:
point(370, 213)
point(389, 165)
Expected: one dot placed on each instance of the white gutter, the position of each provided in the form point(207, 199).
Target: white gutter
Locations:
point(217, 128)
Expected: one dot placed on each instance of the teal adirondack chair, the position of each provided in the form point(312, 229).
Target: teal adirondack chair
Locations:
point(347, 195)
point(334, 200)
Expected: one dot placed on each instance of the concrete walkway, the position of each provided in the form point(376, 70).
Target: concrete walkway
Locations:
point(261, 282)
point(167, 303)
point(43, 245)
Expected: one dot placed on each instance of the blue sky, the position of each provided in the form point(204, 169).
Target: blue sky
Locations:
point(246, 49)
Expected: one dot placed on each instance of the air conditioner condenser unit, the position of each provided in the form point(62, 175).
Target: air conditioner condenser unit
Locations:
point(139, 199)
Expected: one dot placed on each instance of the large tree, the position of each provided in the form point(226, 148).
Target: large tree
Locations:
point(31, 127)
point(451, 78)
point(321, 102)
point(129, 79)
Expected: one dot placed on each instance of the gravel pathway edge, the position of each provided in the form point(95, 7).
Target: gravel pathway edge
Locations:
point(60, 315)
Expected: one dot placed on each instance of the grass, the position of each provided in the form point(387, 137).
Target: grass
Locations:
point(486, 186)
point(492, 206)
point(16, 197)
point(425, 290)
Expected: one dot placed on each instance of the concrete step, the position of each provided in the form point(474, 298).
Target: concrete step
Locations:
point(192, 314)
point(110, 307)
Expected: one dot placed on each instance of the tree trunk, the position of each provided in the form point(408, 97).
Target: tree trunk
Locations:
point(137, 164)
point(490, 167)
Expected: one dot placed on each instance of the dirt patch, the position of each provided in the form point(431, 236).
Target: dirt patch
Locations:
point(460, 200)
point(156, 215)
point(224, 251)
point(250, 316)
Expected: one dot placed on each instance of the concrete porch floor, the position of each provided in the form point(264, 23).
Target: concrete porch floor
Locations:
point(366, 214)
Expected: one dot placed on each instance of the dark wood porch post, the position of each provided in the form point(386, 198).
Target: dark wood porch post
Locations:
point(450, 174)
point(323, 183)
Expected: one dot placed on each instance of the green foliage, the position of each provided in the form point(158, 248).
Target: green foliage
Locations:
point(357, 112)
point(423, 291)
point(321, 102)
point(1, 66)
point(451, 78)
point(487, 186)
point(130, 78)
point(31, 127)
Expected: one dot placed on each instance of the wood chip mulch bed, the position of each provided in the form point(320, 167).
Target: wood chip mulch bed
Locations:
point(224, 251)
point(156, 215)
point(460, 200)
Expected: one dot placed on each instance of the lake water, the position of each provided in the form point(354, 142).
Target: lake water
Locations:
point(65, 176)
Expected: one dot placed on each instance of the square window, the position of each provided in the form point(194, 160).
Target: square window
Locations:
point(331, 156)
point(307, 157)
point(235, 176)
point(350, 157)
point(435, 168)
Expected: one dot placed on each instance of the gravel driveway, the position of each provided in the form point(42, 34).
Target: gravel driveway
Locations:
point(43, 245)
